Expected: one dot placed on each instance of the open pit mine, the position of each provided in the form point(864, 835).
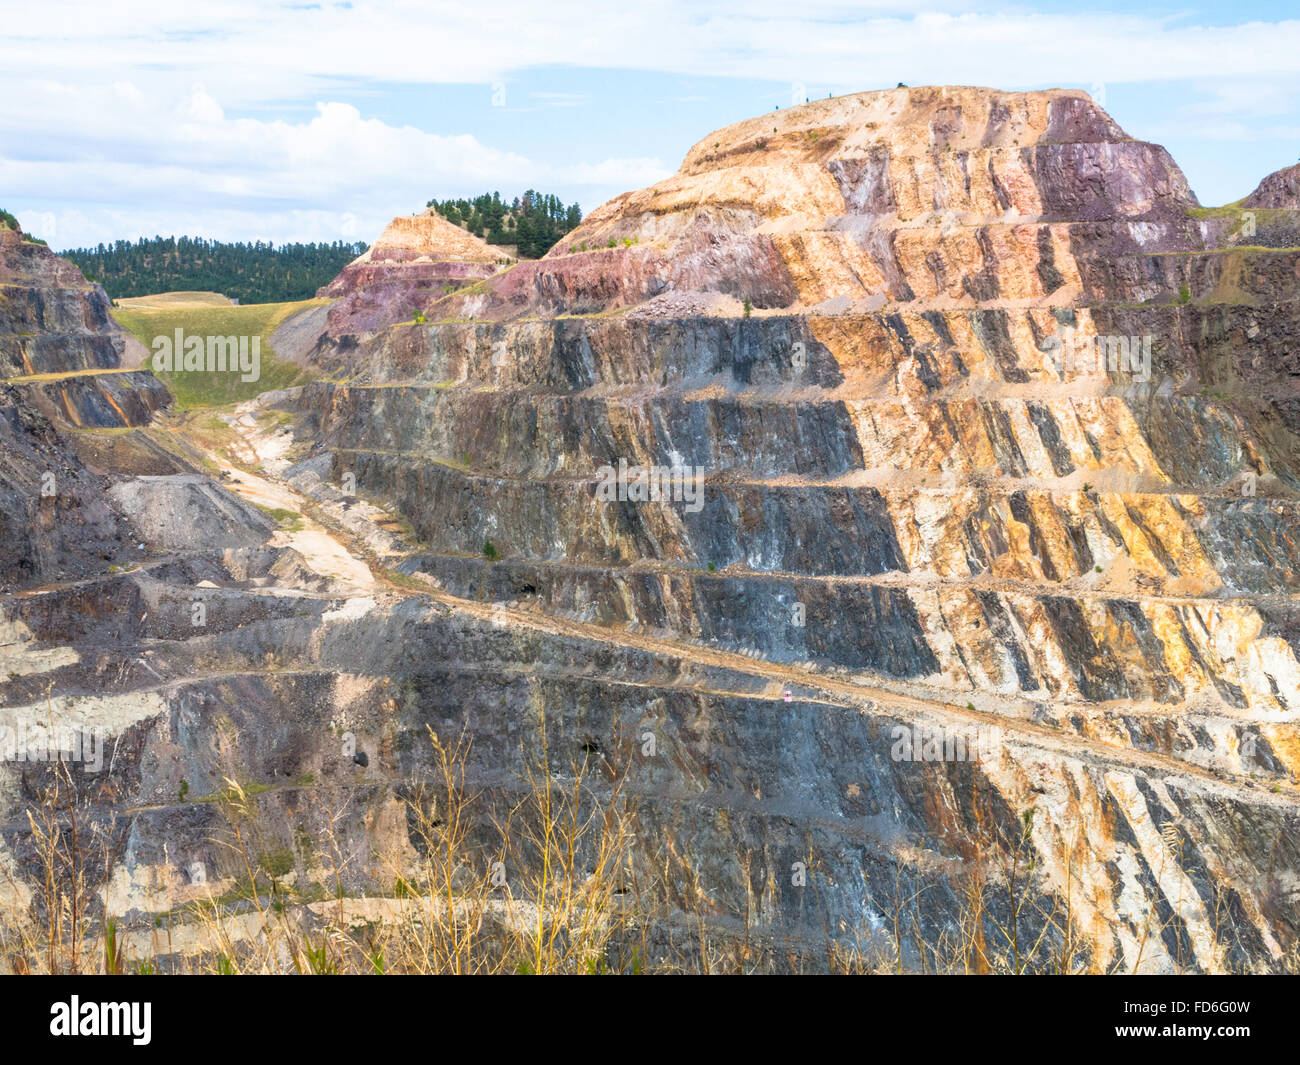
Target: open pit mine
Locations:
point(887, 523)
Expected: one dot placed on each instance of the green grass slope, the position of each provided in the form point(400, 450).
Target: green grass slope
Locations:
point(202, 388)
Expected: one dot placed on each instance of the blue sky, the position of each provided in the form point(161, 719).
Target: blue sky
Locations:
point(319, 121)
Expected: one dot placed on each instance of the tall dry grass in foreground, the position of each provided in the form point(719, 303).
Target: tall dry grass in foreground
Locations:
point(545, 878)
point(537, 883)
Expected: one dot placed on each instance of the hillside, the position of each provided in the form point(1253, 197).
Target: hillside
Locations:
point(415, 256)
point(151, 317)
point(871, 548)
point(974, 384)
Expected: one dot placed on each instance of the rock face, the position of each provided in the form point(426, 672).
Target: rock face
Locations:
point(415, 256)
point(1008, 425)
point(983, 440)
point(926, 198)
point(1280, 191)
point(61, 368)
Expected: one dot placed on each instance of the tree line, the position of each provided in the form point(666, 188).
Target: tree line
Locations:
point(248, 271)
point(533, 221)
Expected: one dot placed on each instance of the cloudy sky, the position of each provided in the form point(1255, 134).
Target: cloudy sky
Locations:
point(248, 119)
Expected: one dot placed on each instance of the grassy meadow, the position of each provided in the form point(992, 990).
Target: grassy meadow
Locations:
point(200, 314)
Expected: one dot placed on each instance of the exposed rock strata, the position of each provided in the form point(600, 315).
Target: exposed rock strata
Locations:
point(1280, 190)
point(890, 440)
point(415, 256)
point(977, 536)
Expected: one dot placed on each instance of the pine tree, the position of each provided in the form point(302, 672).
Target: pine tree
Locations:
point(534, 221)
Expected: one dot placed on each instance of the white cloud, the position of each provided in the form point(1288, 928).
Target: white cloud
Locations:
point(123, 111)
point(620, 173)
point(236, 177)
point(246, 51)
